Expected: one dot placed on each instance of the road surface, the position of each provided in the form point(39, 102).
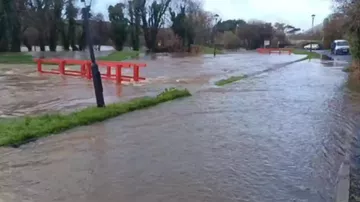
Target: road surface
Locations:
point(340, 58)
point(278, 136)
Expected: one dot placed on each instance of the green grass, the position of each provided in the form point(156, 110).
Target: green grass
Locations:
point(120, 55)
point(210, 50)
point(17, 131)
point(347, 69)
point(310, 55)
point(232, 79)
point(16, 58)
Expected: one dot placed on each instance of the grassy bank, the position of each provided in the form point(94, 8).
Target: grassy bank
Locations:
point(16, 58)
point(16, 131)
point(310, 55)
point(121, 55)
point(347, 69)
point(210, 50)
point(355, 184)
point(232, 79)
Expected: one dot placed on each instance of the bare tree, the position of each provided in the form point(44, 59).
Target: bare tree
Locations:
point(350, 9)
point(100, 30)
point(37, 12)
point(152, 15)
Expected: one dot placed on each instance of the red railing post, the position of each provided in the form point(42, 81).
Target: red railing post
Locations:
point(108, 71)
point(136, 73)
point(118, 73)
point(83, 70)
point(88, 70)
point(39, 65)
point(62, 67)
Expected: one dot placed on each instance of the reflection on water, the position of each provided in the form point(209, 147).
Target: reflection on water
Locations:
point(277, 136)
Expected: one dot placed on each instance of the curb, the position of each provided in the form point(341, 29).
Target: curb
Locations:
point(343, 182)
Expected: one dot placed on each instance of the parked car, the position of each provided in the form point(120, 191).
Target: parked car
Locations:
point(314, 46)
point(340, 47)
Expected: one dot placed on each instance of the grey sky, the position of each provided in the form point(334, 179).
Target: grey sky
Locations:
point(295, 12)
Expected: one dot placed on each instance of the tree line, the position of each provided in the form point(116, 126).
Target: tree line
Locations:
point(251, 35)
point(160, 25)
point(345, 23)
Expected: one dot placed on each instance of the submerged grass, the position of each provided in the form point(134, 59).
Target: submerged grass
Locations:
point(347, 69)
point(232, 79)
point(210, 50)
point(121, 55)
point(17, 131)
point(16, 58)
point(310, 55)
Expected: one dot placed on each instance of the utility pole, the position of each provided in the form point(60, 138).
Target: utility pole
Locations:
point(96, 76)
point(312, 30)
point(216, 23)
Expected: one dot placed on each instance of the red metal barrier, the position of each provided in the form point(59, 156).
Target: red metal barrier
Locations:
point(274, 50)
point(85, 69)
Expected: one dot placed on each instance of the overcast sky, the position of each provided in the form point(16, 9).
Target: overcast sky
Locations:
point(295, 12)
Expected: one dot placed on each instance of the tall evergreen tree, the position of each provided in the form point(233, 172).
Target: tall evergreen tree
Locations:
point(119, 25)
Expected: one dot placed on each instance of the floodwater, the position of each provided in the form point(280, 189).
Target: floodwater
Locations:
point(277, 136)
point(24, 91)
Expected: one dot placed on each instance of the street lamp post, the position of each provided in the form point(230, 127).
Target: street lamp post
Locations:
point(312, 30)
point(216, 21)
point(96, 76)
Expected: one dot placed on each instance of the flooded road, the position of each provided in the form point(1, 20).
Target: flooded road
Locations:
point(279, 136)
point(26, 92)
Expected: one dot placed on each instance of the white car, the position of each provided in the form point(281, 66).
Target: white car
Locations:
point(314, 46)
point(339, 47)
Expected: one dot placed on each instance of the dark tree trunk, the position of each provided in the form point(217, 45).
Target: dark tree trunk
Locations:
point(64, 38)
point(15, 38)
point(82, 41)
point(41, 41)
point(4, 46)
point(65, 41)
point(136, 45)
point(72, 35)
point(14, 27)
point(53, 39)
point(27, 44)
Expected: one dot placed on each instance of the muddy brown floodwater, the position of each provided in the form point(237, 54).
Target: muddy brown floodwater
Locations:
point(23, 91)
point(277, 136)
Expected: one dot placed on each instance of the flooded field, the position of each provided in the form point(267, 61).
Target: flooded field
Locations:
point(278, 136)
point(24, 91)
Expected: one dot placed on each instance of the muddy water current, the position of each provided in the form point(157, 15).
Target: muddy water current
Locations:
point(278, 136)
point(23, 91)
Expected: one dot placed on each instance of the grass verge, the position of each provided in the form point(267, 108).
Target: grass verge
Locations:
point(347, 69)
point(210, 50)
point(17, 131)
point(232, 79)
point(121, 55)
point(310, 55)
point(16, 58)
